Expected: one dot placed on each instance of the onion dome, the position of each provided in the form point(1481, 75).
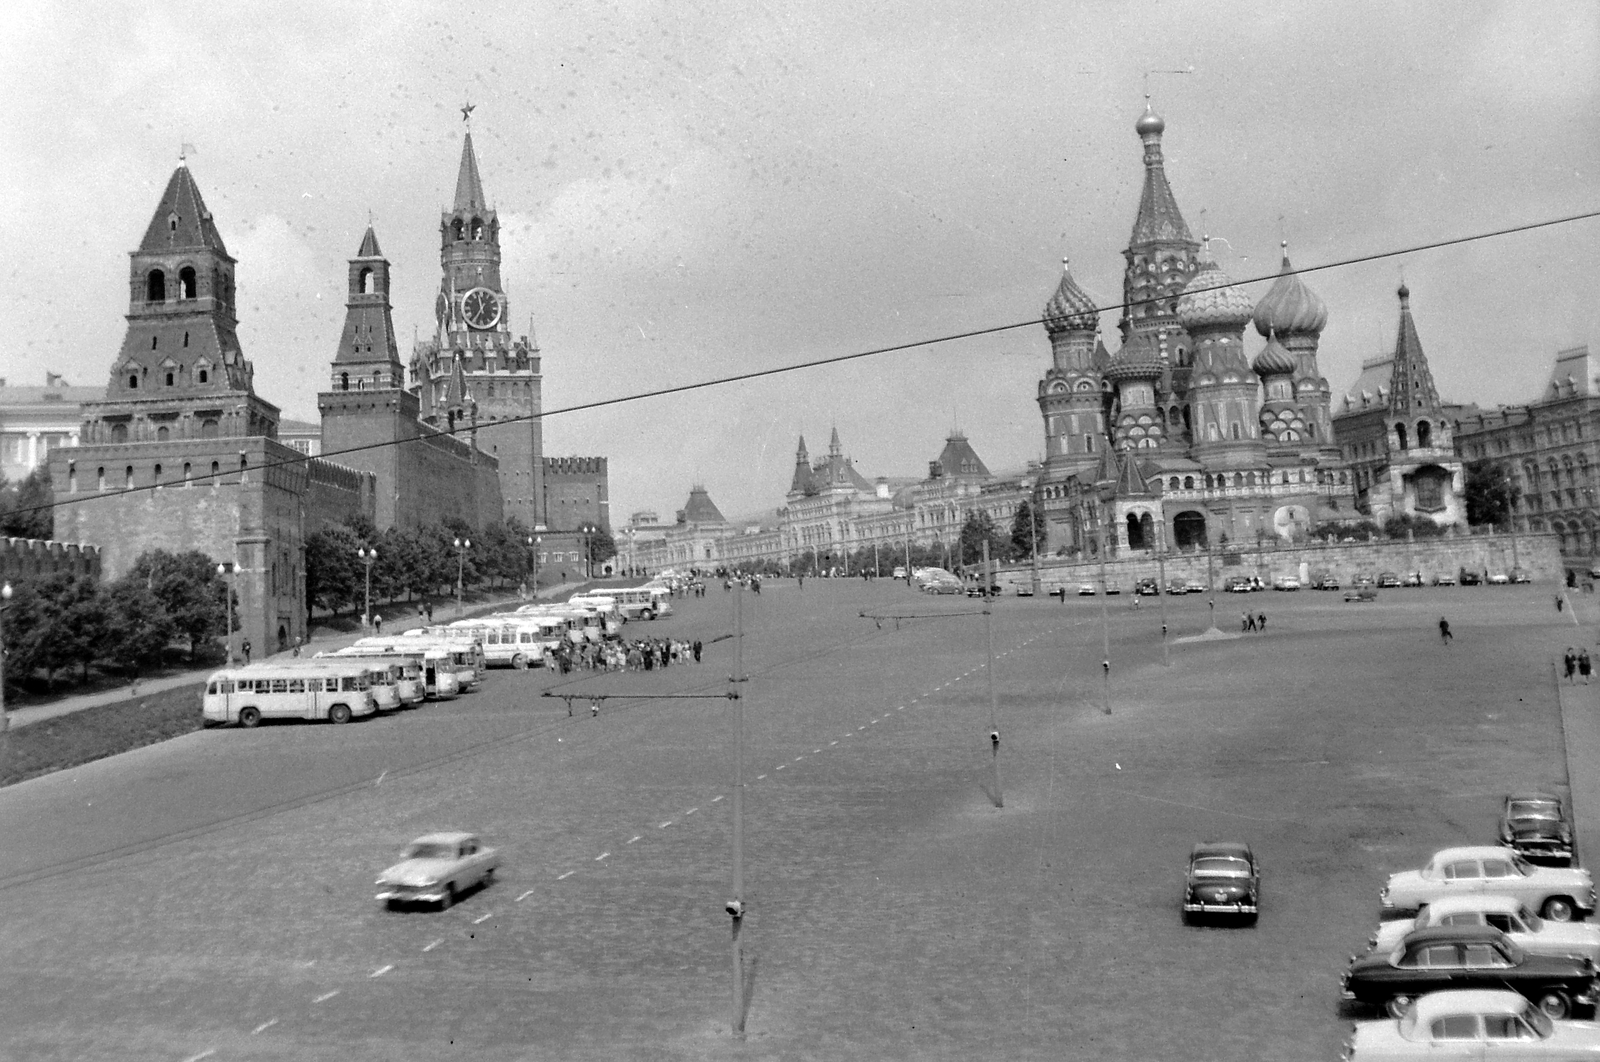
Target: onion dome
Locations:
point(1273, 359)
point(1070, 309)
point(1139, 359)
point(1149, 123)
point(1211, 300)
point(1289, 307)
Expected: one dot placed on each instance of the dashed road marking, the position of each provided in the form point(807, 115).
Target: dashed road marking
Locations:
point(860, 728)
point(601, 856)
point(833, 743)
point(380, 778)
point(691, 811)
point(634, 838)
point(207, 1053)
point(664, 825)
point(568, 874)
point(780, 767)
point(715, 799)
point(264, 1026)
point(524, 896)
point(815, 751)
point(326, 996)
point(436, 943)
point(483, 917)
point(759, 777)
point(874, 723)
point(380, 971)
point(797, 759)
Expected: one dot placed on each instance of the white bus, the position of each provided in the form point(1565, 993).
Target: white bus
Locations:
point(573, 623)
point(464, 645)
point(605, 606)
point(642, 602)
point(337, 692)
point(512, 641)
point(442, 656)
point(435, 667)
point(402, 673)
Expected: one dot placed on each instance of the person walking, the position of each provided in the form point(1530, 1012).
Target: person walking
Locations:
point(1585, 665)
point(1261, 622)
point(697, 651)
point(1244, 621)
point(246, 648)
point(1561, 602)
point(1444, 631)
point(1569, 663)
point(377, 623)
point(427, 608)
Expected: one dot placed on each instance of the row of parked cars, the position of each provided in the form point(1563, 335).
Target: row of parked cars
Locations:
point(1482, 953)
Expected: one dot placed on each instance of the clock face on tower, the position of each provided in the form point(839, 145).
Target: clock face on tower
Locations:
point(481, 308)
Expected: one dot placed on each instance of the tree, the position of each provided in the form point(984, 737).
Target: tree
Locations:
point(335, 576)
point(1419, 526)
point(602, 547)
point(138, 629)
point(25, 509)
point(53, 622)
point(978, 529)
point(1023, 536)
point(1491, 493)
point(194, 596)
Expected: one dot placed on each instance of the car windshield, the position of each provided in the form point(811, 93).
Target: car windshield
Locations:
point(1529, 919)
point(1539, 1020)
point(1534, 809)
point(431, 850)
point(1222, 866)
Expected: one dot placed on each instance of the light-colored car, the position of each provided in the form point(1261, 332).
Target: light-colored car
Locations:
point(438, 868)
point(1499, 578)
point(1195, 586)
point(1505, 913)
point(1087, 590)
point(1444, 579)
point(1286, 582)
point(1557, 893)
point(951, 585)
point(1472, 1024)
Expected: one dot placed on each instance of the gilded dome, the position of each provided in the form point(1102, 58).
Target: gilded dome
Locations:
point(1070, 309)
point(1149, 122)
point(1211, 300)
point(1273, 359)
point(1289, 307)
point(1139, 359)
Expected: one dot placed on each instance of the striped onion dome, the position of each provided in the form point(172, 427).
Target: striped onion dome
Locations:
point(1289, 307)
point(1071, 309)
point(1211, 300)
point(1273, 359)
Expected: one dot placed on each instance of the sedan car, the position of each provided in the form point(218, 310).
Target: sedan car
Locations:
point(1509, 915)
point(1086, 590)
point(1412, 579)
point(1147, 587)
point(1177, 586)
point(1469, 578)
point(1325, 581)
point(1472, 1023)
point(1389, 580)
point(438, 868)
point(1238, 584)
point(944, 586)
point(1427, 960)
point(1557, 893)
point(1518, 575)
point(1537, 826)
point(1195, 586)
point(1223, 879)
point(1498, 578)
point(1444, 579)
point(1286, 582)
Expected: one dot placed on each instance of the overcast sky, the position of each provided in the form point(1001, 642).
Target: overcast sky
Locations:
point(694, 188)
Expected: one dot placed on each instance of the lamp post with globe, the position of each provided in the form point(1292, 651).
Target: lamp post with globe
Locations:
point(368, 556)
point(534, 542)
point(226, 571)
point(462, 545)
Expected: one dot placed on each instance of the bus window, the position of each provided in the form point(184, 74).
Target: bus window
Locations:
point(297, 685)
point(351, 684)
point(279, 686)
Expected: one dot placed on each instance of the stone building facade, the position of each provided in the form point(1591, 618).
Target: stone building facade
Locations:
point(37, 420)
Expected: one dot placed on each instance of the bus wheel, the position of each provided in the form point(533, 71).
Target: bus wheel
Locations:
point(339, 713)
point(249, 717)
point(646, 614)
point(519, 662)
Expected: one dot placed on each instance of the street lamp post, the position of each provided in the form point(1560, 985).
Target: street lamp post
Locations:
point(534, 541)
point(588, 550)
point(5, 720)
point(462, 545)
point(225, 570)
point(368, 556)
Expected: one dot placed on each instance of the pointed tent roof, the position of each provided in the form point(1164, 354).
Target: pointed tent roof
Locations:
point(1132, 480)
point(181, 218)
point(834, 446)
point(369, 245)
point(1110, 470)
point(958, 458)
point(700, 509)
point(1159, 217)
point(457, 395)
point(469, 188)
point(1411, 388)
point(802, 482)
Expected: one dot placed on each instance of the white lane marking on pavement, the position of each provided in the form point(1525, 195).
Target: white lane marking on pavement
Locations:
point(797, 759)
point(759, 777)
point(380, 971)
point(483, 917)
point(568, 874)
point(601, 856)
point(264, 1026)
point(435, 944)
point(207, 1053)
point(634, 838)
point(664, 825)
point(691, 811)
point(380, 778)
point(326, 996)
point(873, 723)
point(524, 896)
point(715, 799)
point(833, 742)
point(860, 728)
point(815, 751)
point(780, 767)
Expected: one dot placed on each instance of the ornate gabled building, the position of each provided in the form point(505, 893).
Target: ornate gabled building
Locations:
point(181, 453)
point(1398, 437)
point(1216, 445)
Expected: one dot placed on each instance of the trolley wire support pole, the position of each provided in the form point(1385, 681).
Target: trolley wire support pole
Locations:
point(735, 906)
point(1105, 620)
point(1161, 589)
point(994, 705)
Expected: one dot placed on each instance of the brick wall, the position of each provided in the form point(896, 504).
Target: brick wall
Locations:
point(33, 558)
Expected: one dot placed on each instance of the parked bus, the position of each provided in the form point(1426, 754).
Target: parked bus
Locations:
point(512, 641)
point(576, 623)
point(337, 692)
point(402, 673)
point(642, 602)
point(465, 645)
point(605, 606)
point(443, 666)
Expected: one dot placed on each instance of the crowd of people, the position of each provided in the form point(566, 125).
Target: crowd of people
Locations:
point(641, 654)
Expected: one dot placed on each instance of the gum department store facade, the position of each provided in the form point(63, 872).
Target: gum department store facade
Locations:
point(1180, 439)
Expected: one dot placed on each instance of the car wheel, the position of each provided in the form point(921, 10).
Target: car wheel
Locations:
point(519, 662)
point(1556, 1005)
point(249, 717)
point(339, 713)
point(1398, 1006)
point(1558, 909)
point(448, 900)
point(488, 877)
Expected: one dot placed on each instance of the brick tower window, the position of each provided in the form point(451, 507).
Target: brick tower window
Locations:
point(186, 285)
point(155, 286)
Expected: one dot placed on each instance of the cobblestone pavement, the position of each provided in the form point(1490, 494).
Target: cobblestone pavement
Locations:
point(212, 897)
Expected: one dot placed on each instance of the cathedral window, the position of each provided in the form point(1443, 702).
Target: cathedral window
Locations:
point(127, 479)
point(216, 473)
point(186, 339)
point(154, 342)
point(100, 479)
point(456, 228)
point(203, 375)
point(477, 228)
point(1400, 436)
point(162, 433)
point(1424, 433)
point(1238, 479)
point(1234, 428)
point(1188, 483)
point(364, 282)
point(155, 286)
point(119, 433)
point(1172, 484)
point(344, 381)
point(208, 430)
point(186, 283)
point(169, 379)
point(157, 479)
point(133, 381)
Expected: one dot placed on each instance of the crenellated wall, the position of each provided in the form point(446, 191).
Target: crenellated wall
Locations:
point(33, 558)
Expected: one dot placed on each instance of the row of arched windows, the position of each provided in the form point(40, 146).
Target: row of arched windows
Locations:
point(473, 229)
point(129, 482)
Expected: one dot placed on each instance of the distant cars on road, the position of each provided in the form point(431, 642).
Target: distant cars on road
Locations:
point(438, 868)
point(1557, 893)
point(1537, 826)
point(1444, 579)
point(1224, 880)
point(1286, 582)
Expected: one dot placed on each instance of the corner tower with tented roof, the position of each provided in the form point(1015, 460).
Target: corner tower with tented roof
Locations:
point(473, 362)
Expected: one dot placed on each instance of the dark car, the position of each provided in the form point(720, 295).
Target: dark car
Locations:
point(1147, 588)
point(1469, 578)
point(1224, 880)
point(1469, 957)
point(1536, 825)
point(1237, 584)
point(1389, 580)
point(1325, 581)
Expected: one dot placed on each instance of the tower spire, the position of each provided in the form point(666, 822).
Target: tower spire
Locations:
point(1411, 387)
point(469, 187)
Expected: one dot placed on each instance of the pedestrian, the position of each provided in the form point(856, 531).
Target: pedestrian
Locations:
point(428, 610)
point(1244, 621)
point(298, 641)
point(1444, 631)
point(246, 648)
point(377, 623)
point(697, 651)
point(1261, 622)
point(1569, 663)
point(594, 708)
point(1250, 621)
point(1561, 603)
point(1585, 665)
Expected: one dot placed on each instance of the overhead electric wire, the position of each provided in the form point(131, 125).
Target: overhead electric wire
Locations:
point(756, 374)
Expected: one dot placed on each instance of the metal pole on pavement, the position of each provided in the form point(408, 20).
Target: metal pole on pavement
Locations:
point(994, 709)
point(735, 907)
point(1161, 588)
point(5, 720)
point(1033, 531)
point(1105, 618)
